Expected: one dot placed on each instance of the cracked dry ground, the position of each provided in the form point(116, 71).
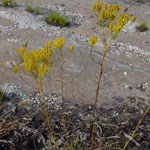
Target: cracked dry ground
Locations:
point(127, 67)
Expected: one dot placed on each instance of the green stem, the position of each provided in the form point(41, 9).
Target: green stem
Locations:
point(62, 90)
point(45, 114)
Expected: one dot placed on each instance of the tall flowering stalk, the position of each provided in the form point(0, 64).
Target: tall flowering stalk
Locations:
point(58, 44)
point(37, 63)
point(111, 20)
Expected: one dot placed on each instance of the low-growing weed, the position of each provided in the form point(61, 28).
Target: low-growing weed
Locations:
point(34, 10)
point(29, 9)
point(37, 10)
point(7, 3)
point(142, 27)
point(57, 19)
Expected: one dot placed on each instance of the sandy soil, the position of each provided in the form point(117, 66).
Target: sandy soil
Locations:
point(127, 67)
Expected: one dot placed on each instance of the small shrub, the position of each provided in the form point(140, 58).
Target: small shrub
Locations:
point(33, 10)
point(57, 19)
point(7, 3)
point(142, 27)
point(29, 9)
point(36, 10)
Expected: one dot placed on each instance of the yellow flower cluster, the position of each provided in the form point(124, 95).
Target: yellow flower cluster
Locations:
point(93, 40)
point(97, 6)
point(104, 7)
point(109, 15)
point(59, 43)
point(16, 68)
point(36, 62)
point(21, 50)
point(71, 48)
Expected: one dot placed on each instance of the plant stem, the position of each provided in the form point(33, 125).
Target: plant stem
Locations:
point(97, 94)
point(62, 91)
point(136, 128)
point(45, 114)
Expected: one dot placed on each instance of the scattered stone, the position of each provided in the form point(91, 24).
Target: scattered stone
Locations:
point(130, 50)
point(125, 73)
point(10, 64)
point(14, 40)
point(143, 86)
point(32, 101)
point(79, 37)
point(126, 86)
point(130, 27)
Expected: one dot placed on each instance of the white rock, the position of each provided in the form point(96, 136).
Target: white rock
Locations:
point(10, 64)
point(125, 73)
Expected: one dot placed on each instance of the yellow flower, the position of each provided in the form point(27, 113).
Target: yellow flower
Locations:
point(71, 48)
point(59, 43)
point(93, 40)
point(16, 69)
point(97, 6)
point(133, 18)
point(21, 50)
point(110, 27)
point(36, 62)
point(102, 15)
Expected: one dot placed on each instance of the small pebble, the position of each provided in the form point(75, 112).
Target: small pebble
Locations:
point(125, 73)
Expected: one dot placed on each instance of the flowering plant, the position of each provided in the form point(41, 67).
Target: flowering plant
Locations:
point(111, 20)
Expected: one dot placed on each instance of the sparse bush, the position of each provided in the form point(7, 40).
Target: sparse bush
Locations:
point(36, 10)
point(29, 9)
point(142, 27)
point(7, 3)
point(57, 19)
point(33, 10)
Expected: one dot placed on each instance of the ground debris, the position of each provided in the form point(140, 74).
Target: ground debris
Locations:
point(27, 130)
